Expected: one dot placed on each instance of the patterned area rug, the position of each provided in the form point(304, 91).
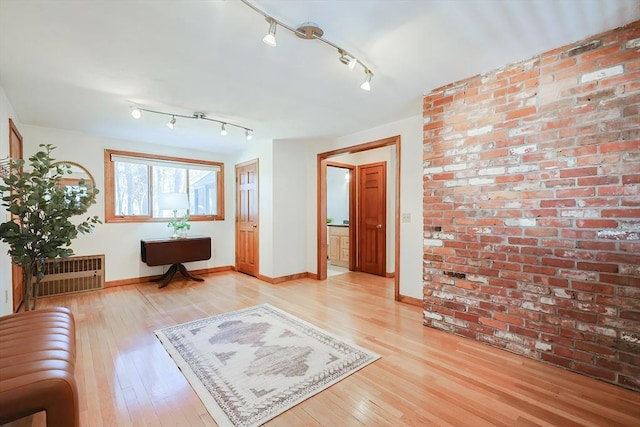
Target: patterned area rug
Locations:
point(249, 366)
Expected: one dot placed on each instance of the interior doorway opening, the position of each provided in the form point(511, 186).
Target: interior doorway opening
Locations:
point(393, 203)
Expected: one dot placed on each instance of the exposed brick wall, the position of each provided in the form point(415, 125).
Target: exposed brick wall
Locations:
point(532, 207)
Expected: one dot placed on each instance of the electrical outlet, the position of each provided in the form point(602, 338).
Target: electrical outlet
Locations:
point(406, 217)
point(6, 296)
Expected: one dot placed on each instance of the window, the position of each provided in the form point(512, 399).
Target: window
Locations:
point(137, 185)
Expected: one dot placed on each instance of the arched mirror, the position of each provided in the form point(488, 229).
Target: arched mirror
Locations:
point(74, 174)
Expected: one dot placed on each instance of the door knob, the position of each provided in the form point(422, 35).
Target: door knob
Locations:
point(379, 226)
point(254, 225)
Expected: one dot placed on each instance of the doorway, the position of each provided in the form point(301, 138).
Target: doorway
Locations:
point(341, 215)
point(322, 160)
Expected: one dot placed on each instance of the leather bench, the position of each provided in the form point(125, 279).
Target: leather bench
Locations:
point(37, 361)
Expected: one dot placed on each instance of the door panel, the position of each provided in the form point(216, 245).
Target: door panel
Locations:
point(247, 218)
point(372, 196)
point(17, 279)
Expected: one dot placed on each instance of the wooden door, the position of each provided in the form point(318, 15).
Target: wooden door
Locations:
point(17, 279)
point(247, 217)
point(372, 218)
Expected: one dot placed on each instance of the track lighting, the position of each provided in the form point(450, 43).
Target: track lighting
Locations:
point(270, 38)
point(367, 82)
point(347, 59)
point(171, 122)
point(311, 31)
point(137, 112)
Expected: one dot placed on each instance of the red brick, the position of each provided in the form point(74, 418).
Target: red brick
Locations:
point(559, 262)
point(523, 112)
point(552, 338)
point(508, 318)
point(557, 360)
point(593, 348)
point(572, 354)
point(621, 213)
point(523, 331)
point(569, 173)
point(595, 371)
point(631, 315)
point(493, 323)
point(629, 382)
point(541, 232)
point(575, 192)
point(592, 287)
point(596, 223)
point(466, 316)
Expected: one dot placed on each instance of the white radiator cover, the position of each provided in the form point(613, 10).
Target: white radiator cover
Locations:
point(71, 275)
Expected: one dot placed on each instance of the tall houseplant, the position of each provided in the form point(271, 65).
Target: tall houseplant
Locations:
point(41, 208)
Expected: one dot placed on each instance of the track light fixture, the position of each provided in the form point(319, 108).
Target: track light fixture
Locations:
point(347, 59)
point(367, 81)
point(136, 112)
point(171, 122)
point(311, 31)
point(270, 38)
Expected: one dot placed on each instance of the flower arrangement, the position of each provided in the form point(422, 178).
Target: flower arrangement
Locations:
point(180, 226)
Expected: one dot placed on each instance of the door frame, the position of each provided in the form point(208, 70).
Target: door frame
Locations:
point(16, 271)
point(353, 226)
point(321, 215)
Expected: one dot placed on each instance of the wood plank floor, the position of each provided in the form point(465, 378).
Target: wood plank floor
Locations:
point(425, 377)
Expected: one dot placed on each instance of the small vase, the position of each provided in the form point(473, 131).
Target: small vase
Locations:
point(182, 234)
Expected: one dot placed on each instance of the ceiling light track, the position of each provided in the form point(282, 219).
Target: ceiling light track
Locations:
point(310, 30)
point(136, 112)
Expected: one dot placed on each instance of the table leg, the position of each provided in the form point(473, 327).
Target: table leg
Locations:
point(183, 270)
point(168, 275)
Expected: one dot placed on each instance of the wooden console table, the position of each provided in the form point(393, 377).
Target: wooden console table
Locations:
point(175, 251)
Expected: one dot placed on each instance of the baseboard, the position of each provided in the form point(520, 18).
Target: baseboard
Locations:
point(390, 275)
point(281, 279)
point(411, 300)
point(145, 279)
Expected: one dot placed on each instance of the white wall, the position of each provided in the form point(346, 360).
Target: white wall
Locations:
point(120, 243)
point(290, 210)
point(6, 296)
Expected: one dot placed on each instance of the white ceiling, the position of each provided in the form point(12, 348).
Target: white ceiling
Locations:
point(79, 65)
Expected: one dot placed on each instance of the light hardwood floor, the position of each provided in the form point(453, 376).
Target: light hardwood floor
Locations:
point(425, 377)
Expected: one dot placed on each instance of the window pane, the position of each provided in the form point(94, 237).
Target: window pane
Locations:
point(141, 181)
point(131, 189)
point(168, 180)
point(203, 199)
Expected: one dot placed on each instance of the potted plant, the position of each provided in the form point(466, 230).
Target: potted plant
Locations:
point(41, 208)
point(180, 226)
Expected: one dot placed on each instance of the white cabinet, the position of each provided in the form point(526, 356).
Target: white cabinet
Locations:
point(339, 245)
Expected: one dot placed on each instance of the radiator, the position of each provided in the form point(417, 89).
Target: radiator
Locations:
point(70, 275)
